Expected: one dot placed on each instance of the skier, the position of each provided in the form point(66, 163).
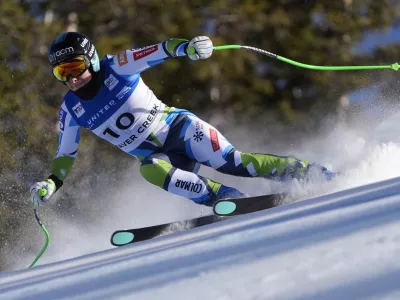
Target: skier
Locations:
point(110, 98)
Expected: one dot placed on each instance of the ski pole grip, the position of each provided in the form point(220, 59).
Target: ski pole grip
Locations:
point(191, 50)
point(42, 192)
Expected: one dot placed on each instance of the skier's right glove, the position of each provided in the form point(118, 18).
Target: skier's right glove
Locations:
point(200, 47)
point(42, 191)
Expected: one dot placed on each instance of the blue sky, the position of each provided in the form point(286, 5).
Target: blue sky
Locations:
point(379, 38)
point(372, 40)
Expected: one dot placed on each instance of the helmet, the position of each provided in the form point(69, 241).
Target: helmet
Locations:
point(71, 44)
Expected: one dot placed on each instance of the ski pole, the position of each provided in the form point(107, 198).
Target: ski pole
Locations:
point(394, 66)
point(42, 192)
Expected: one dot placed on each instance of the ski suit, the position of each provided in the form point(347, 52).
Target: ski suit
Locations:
point(170, 143)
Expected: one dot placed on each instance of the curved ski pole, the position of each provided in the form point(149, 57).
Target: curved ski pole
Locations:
point(394, 66)
point(46, 234)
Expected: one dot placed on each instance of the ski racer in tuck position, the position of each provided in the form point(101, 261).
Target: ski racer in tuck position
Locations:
point(109, 98)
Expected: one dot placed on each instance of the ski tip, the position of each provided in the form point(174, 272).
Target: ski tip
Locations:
point(122, 238)
point(223, 208)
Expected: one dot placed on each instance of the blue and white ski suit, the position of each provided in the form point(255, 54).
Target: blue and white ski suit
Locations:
point(170, 143)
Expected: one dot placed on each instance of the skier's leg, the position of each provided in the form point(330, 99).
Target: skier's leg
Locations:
point(200, 141)
point(185, 136)
point(174, 173)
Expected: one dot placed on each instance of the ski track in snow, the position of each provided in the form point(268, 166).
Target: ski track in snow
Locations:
point(341, 240)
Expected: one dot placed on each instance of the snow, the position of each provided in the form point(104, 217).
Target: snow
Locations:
point(338, 246)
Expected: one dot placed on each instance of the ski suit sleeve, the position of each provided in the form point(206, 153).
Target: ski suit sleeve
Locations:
point(134, 61)
point(68, 142)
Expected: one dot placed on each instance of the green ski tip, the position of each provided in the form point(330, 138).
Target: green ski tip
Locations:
point(225, 208)
point(122, 238)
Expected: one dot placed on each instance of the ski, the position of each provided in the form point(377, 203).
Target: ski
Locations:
point(239, 206)
point(223, 209)
point(129, 236)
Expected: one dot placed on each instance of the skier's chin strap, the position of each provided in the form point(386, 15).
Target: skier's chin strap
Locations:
point(90, 90)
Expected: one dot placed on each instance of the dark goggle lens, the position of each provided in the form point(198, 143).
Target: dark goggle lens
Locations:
point(72, 68)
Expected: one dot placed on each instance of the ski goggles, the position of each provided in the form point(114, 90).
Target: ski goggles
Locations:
point(71, 68)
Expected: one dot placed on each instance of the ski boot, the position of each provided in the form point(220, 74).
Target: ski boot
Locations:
point(300, 170)
point(318, 170)
point(225, 192)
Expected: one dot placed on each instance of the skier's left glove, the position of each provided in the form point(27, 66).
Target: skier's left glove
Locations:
point(42, 191)
point(200, 47)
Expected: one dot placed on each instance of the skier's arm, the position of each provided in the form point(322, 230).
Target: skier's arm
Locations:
point(68, 143)
point(138, 60)
point(62, 164)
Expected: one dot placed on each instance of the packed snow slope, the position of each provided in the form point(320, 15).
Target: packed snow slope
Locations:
point(342, 245)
